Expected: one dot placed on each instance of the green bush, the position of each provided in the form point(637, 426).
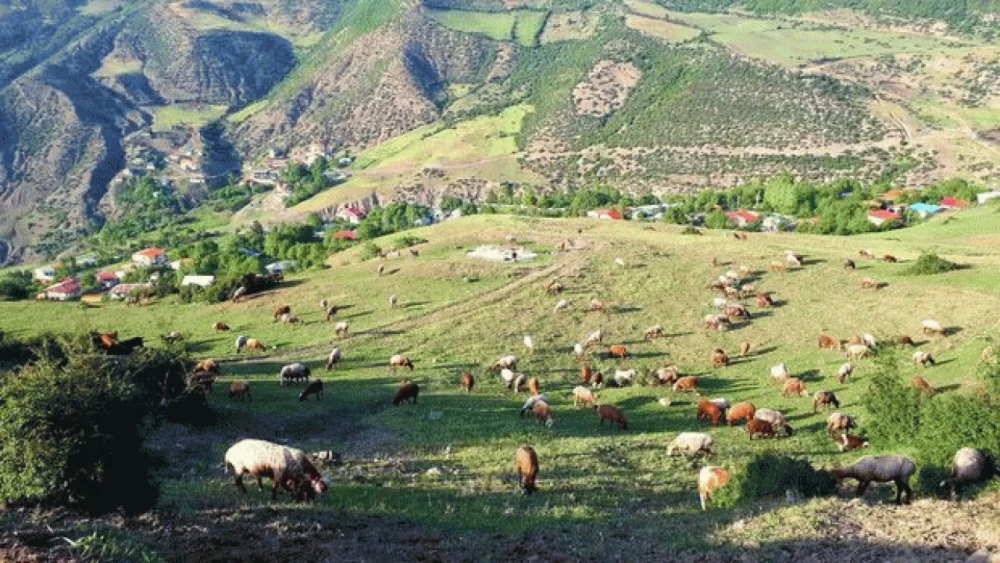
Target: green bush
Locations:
point(369, 251)
point(929, 264)
point(72, 433)
point(407, 241)
point(689, 230)
point(769, 476)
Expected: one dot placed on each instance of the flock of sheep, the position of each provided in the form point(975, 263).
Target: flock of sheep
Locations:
point(290, 469)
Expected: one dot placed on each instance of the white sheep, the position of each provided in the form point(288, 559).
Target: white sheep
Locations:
point(595, 337)
point(529, 343)
point(869, 341)
point(845, 371)
point(774, 418)
point(780, 372)
point(692, 443)
point(624, 377)
point(341, 329)
point(579, 350)
point(719, 303)
point(294, 372)
point(720, 402)
point(968, 466)
point(620, 262)
point(931, 326)
point(561, 305)
point(333, 359)
point(393, 300)
point(288, 468)
point(509, 362)
point(858, 351)
point(507, 376)
point(881, 469)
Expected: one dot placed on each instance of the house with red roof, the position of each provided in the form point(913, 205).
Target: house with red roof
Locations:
point(741, 217)
point(150, 257)
point(605, 214)
point(953, 203)
point(106, 280)
point(880, 217)
point(352, 215)
point(345, 235)
point(69, 288)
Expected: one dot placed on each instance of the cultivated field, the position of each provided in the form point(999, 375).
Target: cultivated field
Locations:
point(435, 480)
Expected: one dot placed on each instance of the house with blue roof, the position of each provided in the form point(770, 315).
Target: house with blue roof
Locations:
point(924, 210)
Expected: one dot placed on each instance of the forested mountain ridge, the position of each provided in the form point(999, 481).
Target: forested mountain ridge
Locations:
point(679, 95)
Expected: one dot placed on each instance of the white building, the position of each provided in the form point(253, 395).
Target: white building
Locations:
point(200, 281)
point(45, 274)
point(987, 196)
point(150, 257)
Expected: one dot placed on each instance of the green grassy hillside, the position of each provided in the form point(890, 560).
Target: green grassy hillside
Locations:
point(455, 315)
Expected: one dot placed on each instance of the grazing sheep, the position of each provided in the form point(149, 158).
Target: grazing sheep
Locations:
point(620, 262)
point(290, 319)
point(594, 338)
point(526, 467)
point(869, 283)
point(846, 443)
point(240, 292)
point(468, 381)
point(282, 310)
point(324, 304)
point(793, 259)
point(613, 415)
point(932, 327)
point(597, 305)
point(529, 403)
point(406, 392)
point(719, 358)
point(881, 469)
point(774, 417)
point(736, 311)
point(825, 399)
point(989, 355)
point(585, 373)
point(529, 343)
point(869, 341)
point(508, 377)
point(744, 349)
point(709, 412)
point(207, 366)
point(393, 300)
point(584, 396)
point(838, 422)
point(220, 327)
point(241, 343)
point(598, 381)
point(718, 323)
point(828, 342)
point(561, 305)
point(778, 267)
point(760, 428)
point(692, 443)
point(710, 479)
point(380, 270)
point(902, 340)
point(578, 350)
point(314, 388)
point(240, 390)
point(779, 372)
point(739, 412)
point(890, 259)
point(288, 468)
point(923, 359)
point(845, 371)
point(618, 351)
point(294, 372)
point(331, 312)
point(554, 287)
point(533, 387)
point(400, 361)
point(414, 252)
point(624, 377)
point(922, 385)
point(858, 351)
point(655, 331)
point(968, 466)
point(719, 302)
point(254, 344)
point(518, 384)
point(505, 362)
point(795, 386)
point(849, 264)
point(688, 383)
point(543, 413)
point(667, 375)
point(333, 359)
point(764, 300)
point(720, 402)
point(341, 329)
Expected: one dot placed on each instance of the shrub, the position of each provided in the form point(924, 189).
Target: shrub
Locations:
point(369, 251)
point(929, 264)
point(689, 230)
point(407, 241)
point(768, 476)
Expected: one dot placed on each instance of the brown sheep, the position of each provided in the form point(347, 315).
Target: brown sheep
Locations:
point(744, 349)
point(736, 311)
point(613, 415)
point(764, 300)
point(828, 342)
point(585, 373)
point(533, 386)
point(207, 366)
point(890, 259)
point(847, 443)
point(468, 381)
point(922, 385)
point(903, 340)
point(849, 264)
point(107, 340)
point(654, 332)
point(239, 390)
point(526, 467)
point(838, 422)
point(739, 412)
point(406, 392)
point(220, 327)
point(315, 387)
point(795, 386)
point(254, 344)
point(543, 413)
point(689, 383)
point(825, 399)
point(554, 288)
point(709, 412)
point(283, 310)
point(584, 396)
point(598, 381)
point(618, 351)
point(869, 283)
point(719, 358)
point(710, 478)
point(760, 428)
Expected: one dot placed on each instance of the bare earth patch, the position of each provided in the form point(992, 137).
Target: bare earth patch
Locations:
point(606, 88)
